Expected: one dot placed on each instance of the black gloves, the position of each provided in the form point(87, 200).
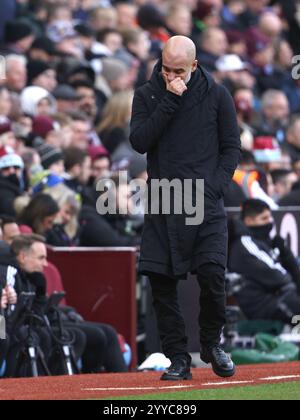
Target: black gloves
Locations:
point(39, 281)
point(279, 242)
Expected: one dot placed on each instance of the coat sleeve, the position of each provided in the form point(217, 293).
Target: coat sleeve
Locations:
point(146, 129)
point(229, 142)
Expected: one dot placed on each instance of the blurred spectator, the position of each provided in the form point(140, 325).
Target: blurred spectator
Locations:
point(138, 44)
point(40, 73)
point(111, 229)
point(65, 229)
point(101, 166)
point(230, 13)
point(67, 99)
point(7, 136)
point(236, 43)
point(179, 20)
point(103, 18)
point(292, 144)
point(275, 115)
point(127, 14)
point(37, 101)
point(110, 38)
point(88, 101)
point(5, 102)
point(250, 17)
point(18, 38)
point(283, 181)
point(66, 38)
point(9, 9)
point(115, 77)
point(244, 103)
point(213, 45)
point(40, 214)
point(207, 14)
point(81, 131)
point(296, 167)
point(78, 169)
point(42, 49)
point(11, 166)
point(51, 159)
point(271, 273)
point(289, 11)
point(270, 24)
point(114, 127)
point(233, 73)
point(253, 181)
point(16, 73)
point(9, 228)
point(152, 19)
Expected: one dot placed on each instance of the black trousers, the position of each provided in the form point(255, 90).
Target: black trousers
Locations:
point(211, 279)
point(4, 345)
point(285, 308)
point(102, 348)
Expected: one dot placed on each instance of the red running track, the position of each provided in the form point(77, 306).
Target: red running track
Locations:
point(114, 385)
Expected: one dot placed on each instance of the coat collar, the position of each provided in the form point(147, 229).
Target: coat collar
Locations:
point(194, 85)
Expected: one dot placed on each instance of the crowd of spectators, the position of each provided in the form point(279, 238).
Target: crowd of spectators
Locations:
point(65, 102)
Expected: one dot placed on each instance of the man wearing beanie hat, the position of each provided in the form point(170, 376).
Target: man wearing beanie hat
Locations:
point(42, 126)
point(257, 42)
point(42, 49)
point(18, 37)
point(11, 166)
point(52, 159)
point(40, 73)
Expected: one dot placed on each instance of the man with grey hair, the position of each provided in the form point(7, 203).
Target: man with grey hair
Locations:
point(187, 125)
point(16, 72)
point(213, 45)
point(275, 115)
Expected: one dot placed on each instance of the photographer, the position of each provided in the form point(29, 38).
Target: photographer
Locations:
point(96, 344)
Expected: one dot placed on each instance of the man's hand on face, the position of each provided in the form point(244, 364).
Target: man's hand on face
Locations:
point(177, 86)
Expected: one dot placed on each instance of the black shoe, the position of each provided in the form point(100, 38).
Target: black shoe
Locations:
point(178, 371)
point(221, 363)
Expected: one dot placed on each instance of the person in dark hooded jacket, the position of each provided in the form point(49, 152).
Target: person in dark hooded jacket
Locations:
point(186, 123)
point(11, 166)
point(271, 289)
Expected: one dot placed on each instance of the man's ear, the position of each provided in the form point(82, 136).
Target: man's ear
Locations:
point(20, 257)
point(195, 65)
point(248, 221)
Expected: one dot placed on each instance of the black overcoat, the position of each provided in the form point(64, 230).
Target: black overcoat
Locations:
point(192, 137)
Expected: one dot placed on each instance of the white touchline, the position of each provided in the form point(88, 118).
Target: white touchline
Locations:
point(227, 383)
point(140, 388)
point(280, 378)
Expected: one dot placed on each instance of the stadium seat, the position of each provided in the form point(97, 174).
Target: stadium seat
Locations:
point(54, 280)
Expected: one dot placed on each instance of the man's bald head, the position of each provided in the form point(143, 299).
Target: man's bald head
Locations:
point(180, 46)
point(179, 59)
